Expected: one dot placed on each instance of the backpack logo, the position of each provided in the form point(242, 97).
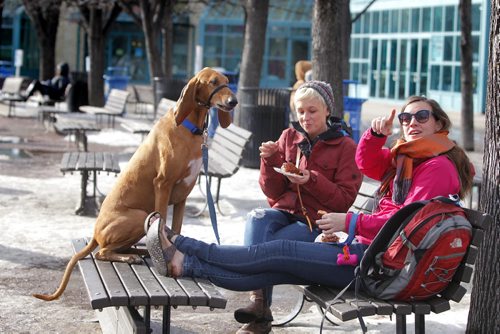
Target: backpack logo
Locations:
point(457, 243)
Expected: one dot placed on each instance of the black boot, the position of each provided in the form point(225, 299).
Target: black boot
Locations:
point(257, 310)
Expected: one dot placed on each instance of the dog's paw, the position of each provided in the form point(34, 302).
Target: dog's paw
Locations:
point(134, 259)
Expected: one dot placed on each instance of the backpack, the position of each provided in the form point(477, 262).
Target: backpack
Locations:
point(416, 253)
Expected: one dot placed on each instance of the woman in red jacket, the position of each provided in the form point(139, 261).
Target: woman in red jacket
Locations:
point(330, 180)
point(423, 164)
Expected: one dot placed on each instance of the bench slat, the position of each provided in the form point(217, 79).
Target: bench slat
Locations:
point(216, 299)
point(341, 310)
point(438, 304)
point(195, 294)
point(400, 307)
point(148, 281)
point(137, 295)
point(365, 308)
point(95, 288)
point(112, 283)
point(177, 295)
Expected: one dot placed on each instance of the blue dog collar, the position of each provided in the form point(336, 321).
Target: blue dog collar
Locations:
point(192, 128)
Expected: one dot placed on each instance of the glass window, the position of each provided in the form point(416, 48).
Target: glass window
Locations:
point(435, 77)
point(240, 29)
point(364, 74)
point(355, 71)
point(234, 45)
point(476, 17)
point(426, 19)
point(385, 21)
point(437, 22)
point(447, 72)
point(415, 19)
point(366, 22)
point(402, 56)
point(366, 50)
point(277, 47)
point(449, 18)
point(475, 48)
point(213, 45)
point(356, 29)
point(394, 20)
point(448, 48)
point(276, 68)
point(214, 28)
point(458, 55)
point(355, 48)
point(456, 81)
point(405, 20)
point(211, 62)
point(375, 22)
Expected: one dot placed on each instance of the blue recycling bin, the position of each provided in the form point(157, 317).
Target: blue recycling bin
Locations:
point(352, 109)
point(116, 78)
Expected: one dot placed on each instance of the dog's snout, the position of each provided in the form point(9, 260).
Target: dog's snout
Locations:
point(232, 101)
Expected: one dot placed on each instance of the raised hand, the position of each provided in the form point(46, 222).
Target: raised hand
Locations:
point(268, 148)
point(383, 125)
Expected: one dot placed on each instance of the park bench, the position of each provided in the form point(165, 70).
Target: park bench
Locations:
point(89, 164)
point(352, 306)
point(11, 93)
point(115, 106)
point(225, 154)
point(118, 289)
point(77, 125)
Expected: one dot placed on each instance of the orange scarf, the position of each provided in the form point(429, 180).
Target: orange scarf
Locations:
point(405, 156)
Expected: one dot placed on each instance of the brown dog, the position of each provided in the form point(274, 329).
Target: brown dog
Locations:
point(162, 171)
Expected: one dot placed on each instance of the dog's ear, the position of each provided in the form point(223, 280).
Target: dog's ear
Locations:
point(225, 118)
point(187, 101)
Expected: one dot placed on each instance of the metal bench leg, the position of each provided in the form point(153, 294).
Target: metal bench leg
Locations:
point(400, 324)
point(166, 320)
point(419, 323)
point(292, 315)
point(83, 193)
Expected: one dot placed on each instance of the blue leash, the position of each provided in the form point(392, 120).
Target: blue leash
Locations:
point(210, 200)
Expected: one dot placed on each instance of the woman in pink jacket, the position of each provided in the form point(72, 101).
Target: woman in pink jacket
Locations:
point(423, 164)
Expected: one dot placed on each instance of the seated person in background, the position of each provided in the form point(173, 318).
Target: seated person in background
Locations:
point(301, 68)
point(329, 182)
point(423, 164)
point(55, 88)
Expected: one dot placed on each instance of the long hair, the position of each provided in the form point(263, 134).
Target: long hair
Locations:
point(456, 154)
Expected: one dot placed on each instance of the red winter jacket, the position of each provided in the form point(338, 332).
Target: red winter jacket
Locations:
point(334, 181)
point(436, 176)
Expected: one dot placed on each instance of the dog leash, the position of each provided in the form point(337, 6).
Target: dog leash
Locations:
point(210, 200)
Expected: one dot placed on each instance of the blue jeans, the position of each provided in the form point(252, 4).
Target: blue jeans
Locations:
point(245, 268)
point(270, 224)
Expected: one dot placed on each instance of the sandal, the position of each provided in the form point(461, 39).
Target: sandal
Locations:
point(161, 257)
point(148, 221)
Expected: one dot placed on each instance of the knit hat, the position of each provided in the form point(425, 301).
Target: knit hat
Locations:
point(324, 89)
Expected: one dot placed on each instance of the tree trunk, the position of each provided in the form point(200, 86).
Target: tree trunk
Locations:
point(167, 33)
point(96, 43)
point(345, 28)
point(326, 53)
point(485, 301)
point(466, 76)
point(45, 18)
point(254, 44)
point(151, 37)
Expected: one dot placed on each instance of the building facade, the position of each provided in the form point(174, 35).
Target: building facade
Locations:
point(398, 48)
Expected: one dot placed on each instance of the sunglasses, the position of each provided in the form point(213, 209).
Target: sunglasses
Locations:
point(421, 116)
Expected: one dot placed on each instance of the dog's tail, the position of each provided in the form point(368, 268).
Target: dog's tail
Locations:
point(67, 273)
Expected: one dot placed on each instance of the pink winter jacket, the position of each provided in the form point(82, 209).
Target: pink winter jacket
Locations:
point(437, 176)
point(334, 181)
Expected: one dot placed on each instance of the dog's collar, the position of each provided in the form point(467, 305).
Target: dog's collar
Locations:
point(191, 127)
point(208, 103)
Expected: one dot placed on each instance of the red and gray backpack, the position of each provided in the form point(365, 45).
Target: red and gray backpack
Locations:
point(416, 253)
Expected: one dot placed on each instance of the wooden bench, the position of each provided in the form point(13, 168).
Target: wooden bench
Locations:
point(89, 163)
point(115, 106)
point(118, 289)
point(11, 93)
point(351, 307)
point(77, 125)
point(224, 156)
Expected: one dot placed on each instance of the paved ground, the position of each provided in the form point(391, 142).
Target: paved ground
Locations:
point(37, 221)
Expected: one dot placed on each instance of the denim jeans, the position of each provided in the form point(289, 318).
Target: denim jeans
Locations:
point(245, 268)
point(271, 224)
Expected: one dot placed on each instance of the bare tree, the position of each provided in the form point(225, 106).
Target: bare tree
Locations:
point(97, 17)
point(327, 54)
point(466, 76)
point(45, 17)
point(485, 302)
point(256, 12)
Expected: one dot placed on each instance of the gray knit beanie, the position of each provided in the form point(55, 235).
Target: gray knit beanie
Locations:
point(324, 89)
